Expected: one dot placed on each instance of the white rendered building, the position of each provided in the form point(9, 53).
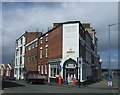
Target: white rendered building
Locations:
point(19, 57)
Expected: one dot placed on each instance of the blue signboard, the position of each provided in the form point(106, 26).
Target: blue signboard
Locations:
point(79, 60)
point(59, 66)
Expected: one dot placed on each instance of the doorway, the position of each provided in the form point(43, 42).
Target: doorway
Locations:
point(70, 70)
point(70, 74)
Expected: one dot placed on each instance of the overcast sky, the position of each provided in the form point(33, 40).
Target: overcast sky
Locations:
point(20, 17)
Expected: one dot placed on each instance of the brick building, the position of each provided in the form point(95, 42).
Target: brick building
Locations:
point(31, 50)
point(68, 49)
point(59, 49)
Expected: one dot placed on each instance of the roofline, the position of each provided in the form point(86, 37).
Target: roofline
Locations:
point(21, 36)
point(59, 24)
point(25, 34)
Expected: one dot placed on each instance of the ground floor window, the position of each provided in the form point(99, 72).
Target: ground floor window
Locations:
point(54, 70)
point(46, 69)
point(39, 68)
point(42, 69)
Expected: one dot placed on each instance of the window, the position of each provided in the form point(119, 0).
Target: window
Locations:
point(88, 55)
point(88, 42)
point(46, 69)
point(41, 40)
point(42, 69)
point(35, 43)
point(32, 58)
point(28, 59)
point(46, 52)
point(32, 45)
point(16, 44)
point(35, 57)
point(20, 50)
point(29, 47)
point(21, 40)
point(15, 71)
point(41, 52)
point(20, 71)
point(54, 70)
point(39, 68)
point(46, 37)
point(20, 60)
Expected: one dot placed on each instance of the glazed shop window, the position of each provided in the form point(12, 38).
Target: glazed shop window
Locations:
point(54, 70)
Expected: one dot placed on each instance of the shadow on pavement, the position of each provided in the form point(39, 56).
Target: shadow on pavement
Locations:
point(9, 84)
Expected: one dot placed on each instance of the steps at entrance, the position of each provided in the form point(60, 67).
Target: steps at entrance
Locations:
point(71, 83)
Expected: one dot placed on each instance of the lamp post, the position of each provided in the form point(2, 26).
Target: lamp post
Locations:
point(109, 76)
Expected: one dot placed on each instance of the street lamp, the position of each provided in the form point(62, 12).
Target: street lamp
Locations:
point(109, 50)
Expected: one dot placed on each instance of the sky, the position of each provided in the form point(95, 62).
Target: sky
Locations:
point(18, 17)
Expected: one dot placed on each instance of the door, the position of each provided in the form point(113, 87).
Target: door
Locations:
point(70, 74)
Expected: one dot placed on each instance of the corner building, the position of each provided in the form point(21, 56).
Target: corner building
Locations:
point(60, 49)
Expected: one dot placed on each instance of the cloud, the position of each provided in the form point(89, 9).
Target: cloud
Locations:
point(60, 0)
point(20, 17)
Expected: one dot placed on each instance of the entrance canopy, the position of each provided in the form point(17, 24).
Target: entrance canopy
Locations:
point(70, 63)
point(70, 68)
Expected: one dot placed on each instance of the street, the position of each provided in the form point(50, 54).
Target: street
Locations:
point(20, 86)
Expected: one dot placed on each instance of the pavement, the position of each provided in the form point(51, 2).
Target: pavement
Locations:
point(20, 86)
point(103, 84)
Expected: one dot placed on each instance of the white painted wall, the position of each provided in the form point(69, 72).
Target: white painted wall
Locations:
point(71, 40)
point(17, 75)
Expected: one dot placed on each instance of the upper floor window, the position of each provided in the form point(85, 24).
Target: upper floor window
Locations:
point(33, 46)
point(41, 40)
point(46, 51)
point(32, 58)
point(16, 44)
point(35, 57)
point(20, 50)
point(29, 47)
point(41, 52)
point(88, 42)
point(20, 59)
point(29, 59)
point(46, 37)
point(21, 40)
point(35, 43)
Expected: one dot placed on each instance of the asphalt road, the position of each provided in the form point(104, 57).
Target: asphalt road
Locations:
point(22, 87)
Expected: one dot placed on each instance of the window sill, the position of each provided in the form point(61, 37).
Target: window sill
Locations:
point(52, 77)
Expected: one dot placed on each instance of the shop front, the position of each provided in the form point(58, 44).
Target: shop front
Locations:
point(70, 70)
point(54, 71)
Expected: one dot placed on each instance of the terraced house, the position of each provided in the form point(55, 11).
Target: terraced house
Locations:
point(21, 53)
point(68, 49)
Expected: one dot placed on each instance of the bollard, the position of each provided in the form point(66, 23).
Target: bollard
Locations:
point(75, 81)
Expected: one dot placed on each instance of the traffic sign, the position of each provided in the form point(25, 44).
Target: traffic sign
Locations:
point(109, 83)
point(79, 60)
point(59, 66)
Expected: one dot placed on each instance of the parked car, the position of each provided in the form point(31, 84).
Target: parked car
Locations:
point(34, 76)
